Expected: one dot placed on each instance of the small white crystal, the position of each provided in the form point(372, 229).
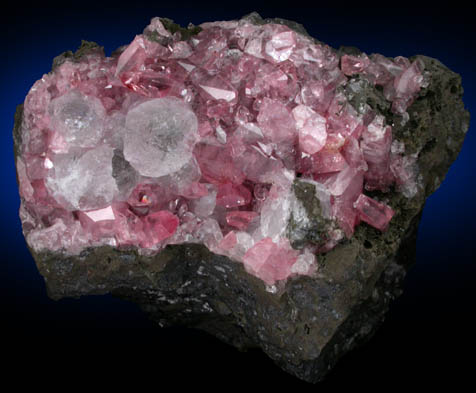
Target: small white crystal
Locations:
point(275, 214)
point(397, 147)
point(48, 164)
point(101, 214)
point(209, 233)
point(221, 135)
point(203, 207)
point(219, 94)
point(304, 263)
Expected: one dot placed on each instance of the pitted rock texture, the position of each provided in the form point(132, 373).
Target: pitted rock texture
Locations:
point(306, 323)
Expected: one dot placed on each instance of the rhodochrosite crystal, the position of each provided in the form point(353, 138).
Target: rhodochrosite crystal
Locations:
point(176, 141)
point(268, 149)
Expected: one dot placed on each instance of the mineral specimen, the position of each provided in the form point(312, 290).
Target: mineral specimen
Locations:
point(240, 170)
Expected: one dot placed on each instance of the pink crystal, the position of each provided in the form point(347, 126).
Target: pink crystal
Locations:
point(132, 57)
point(216, 165)
point(228, 242)
point(276, 121)
point(312, 129)
point(270, 261)
point(99, 222)
point(279, 47)
point(257, 256)
point(230, 195)
point(213, 87)
point(351, 65)
point(160, 226)
point(327, 161)
point(195, 190)
point(240, 219)
point(375, 144)
point(407, 85)
point(343, 204)
point(201, 140)
point(373, 213)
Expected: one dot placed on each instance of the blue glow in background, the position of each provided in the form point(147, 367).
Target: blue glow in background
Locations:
point(428, 330)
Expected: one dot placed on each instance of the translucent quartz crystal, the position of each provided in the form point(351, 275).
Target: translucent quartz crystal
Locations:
point(239, 138)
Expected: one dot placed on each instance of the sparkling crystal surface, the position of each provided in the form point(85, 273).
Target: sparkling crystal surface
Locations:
point(203, 140)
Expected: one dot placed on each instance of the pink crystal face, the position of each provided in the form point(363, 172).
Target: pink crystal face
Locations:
point(202, 140)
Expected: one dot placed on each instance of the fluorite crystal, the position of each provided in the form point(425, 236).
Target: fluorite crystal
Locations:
point(170, 139)
point(248, 138)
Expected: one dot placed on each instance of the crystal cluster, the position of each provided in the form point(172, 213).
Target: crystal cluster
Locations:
point(213, 139)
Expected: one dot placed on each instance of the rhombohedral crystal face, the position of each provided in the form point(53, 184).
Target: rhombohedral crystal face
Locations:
point(212, 140)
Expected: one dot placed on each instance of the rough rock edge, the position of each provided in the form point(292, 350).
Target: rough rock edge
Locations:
point(86, 48)
point(310, 322)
